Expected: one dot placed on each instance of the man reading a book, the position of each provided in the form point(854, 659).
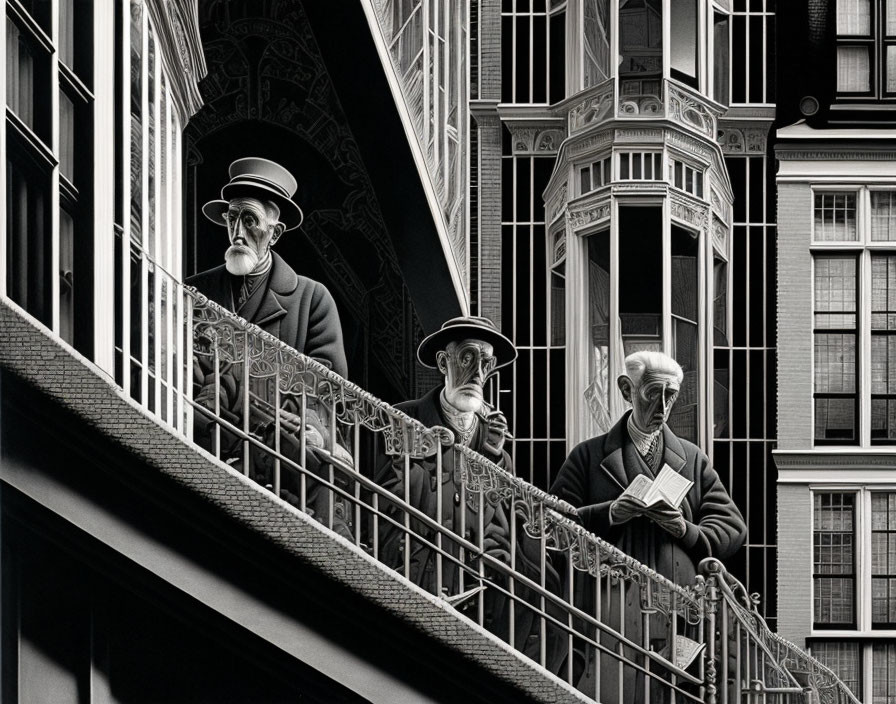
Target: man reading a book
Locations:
point(657, 498)
point(653, 495)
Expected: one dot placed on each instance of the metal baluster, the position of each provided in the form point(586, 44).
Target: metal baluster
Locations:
point(542, 567)
point(217, 402)
point(303, 451)
point(512, 582)
point(331, 467)
point(356, 463)
point(440, 520)
point(407, 517)
point(277, 425)
point(246, 444)
point(480, 597)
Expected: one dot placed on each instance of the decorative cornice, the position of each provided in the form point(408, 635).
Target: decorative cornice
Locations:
point(743, 140)
point(720, 233)
point(646, 187)
point(176, 25)
point(691, 211)
point(639, 134)
point(535, 140)
point(785, 153)
point(824, 459)
point(588, 213)
point(596, 105)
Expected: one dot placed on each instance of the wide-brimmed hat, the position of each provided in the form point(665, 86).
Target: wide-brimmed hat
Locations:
point(466, 327)
point(254, 177)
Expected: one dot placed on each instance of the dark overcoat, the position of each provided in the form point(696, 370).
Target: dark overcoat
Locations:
point(297, 310)
point(594, 475)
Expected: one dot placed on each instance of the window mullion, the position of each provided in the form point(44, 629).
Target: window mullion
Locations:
point(3, 102)
point(863, 561)
point(864, 319)
point(54, 176)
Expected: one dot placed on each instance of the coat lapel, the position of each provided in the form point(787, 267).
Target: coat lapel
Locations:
point(614, 462)
point(281, 283)
point(674, 454)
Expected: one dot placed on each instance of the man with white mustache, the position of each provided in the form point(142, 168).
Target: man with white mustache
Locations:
point(257, 207)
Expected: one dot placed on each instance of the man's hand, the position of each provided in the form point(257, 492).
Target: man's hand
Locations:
point(668, 518)
point(625, 508)
point(495, 432)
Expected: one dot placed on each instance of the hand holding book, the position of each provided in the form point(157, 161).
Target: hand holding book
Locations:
point(658, 499)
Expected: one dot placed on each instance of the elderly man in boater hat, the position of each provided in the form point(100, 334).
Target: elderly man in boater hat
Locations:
point(256, 284)
point(466, 351)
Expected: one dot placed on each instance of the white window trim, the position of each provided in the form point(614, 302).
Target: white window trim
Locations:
point(862, 530)
point(863, 247)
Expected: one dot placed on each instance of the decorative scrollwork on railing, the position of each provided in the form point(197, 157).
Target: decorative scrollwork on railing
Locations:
point(217, 331)
point(786, 665)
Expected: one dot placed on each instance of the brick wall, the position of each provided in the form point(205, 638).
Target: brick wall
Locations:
point(794, 563)
point(794, 317)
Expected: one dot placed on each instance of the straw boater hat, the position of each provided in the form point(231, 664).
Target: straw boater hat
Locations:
point(466, 328)
point(254, 177)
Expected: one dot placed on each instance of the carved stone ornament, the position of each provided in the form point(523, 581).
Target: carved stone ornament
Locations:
point(639, 135)
point(556, 204)
point(692, 212)
point(176, 25)
point(690, 111)
point(535, 140)
point(593, 109)
point(591, 214)
point(720, 236)
point(558, 247)
point(640, 105)
point(593, 142)
point(743, 140)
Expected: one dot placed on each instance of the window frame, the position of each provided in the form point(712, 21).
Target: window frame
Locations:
point(863, 247)
point(864, 633)
point(876, 42)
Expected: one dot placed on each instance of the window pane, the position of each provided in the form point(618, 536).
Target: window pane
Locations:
point(891, 69)
point(136, 119)
point(883, 216)
point(66, 281)
point(596, 44)
point(641, 60)
point(597, 395)
point(883, 559)
point(19, 75)
point(844, 659)
point(835, 217)
point(833, 554)
point(67, 32)
point(66, 136)
point(835, 363)
point(854, 17)
point(853, 70)
point(883, 675)
point(835, 420)
point(891, 18)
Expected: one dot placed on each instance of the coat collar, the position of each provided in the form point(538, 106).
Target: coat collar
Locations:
point(269, 307)
point(622, 461)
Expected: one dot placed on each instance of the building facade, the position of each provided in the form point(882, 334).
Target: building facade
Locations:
point(595, 176)
point(835, 455)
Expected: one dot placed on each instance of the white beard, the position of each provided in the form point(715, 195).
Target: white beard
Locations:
point(240, 261)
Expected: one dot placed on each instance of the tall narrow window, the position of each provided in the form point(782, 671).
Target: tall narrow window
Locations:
point(683, 26)
point(883, 560)
point(883, 673)
point(722, 58)
point(883, 349)
point(596, 41)
point(834, 570)
point(641, 60)
point(836, 369)
point(640, 277)
point(883, 214)
point(597, 395)
point(685, 338)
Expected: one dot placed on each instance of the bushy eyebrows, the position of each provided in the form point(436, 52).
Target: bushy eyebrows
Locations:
point(246, 207)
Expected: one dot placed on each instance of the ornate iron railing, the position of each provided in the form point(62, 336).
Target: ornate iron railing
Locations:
point(505, 554)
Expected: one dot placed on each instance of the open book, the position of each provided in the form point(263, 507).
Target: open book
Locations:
point(668, 486)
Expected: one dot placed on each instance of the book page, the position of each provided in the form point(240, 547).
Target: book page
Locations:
point(686, 651)
point(640, 488)
point(670, 486)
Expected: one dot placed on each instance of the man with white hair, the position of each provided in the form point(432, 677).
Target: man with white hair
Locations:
point(670, 538)
point(666, 538)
